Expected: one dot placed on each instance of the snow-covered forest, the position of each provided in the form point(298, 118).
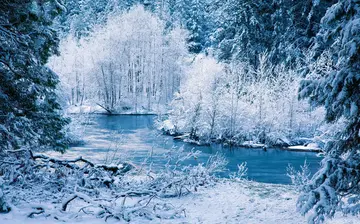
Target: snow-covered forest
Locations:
point(269, 74)
point(122, 67)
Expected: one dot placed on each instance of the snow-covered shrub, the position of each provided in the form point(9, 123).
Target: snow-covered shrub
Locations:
point(241, 173)
point(4, 207)
point(299, 178)
point(235, 103)
point(118, 191)
point(114, 154)
point(76, 128)
point(166, 126)
point(216, 163)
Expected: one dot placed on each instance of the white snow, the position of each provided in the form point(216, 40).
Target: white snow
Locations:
point(167, 125)
point(85, 109)
point(91, 108)
point(252, 144)
point(226, 202)
point(246, 202)
point(308, 147)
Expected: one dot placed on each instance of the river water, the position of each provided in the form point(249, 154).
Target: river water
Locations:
point(134, 138)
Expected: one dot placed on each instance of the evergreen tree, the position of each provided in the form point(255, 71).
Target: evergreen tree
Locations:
point(298, 23)
point(192, 15)
point(243, 29)
point(29, 111)
point(337, 184)
point(82, 16)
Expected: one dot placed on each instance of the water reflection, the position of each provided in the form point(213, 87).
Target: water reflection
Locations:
point(134, 138)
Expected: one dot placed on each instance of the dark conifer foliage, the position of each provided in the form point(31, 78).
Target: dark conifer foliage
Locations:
point(29, 111)
point(337, 184)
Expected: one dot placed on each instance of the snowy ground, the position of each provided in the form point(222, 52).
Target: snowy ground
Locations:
point(247, 202)
point(226, 202)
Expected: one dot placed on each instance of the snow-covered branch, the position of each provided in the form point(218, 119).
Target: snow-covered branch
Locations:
point(118, 191)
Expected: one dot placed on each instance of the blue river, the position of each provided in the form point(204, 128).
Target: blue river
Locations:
point(112, 139)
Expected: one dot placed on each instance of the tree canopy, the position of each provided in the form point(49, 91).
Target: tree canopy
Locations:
point(29, 114)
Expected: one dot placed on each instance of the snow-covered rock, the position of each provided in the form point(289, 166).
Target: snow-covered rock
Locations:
point(311, 147)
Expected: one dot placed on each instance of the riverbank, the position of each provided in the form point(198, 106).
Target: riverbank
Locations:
point(279, 141)
point(306, 144)
point(101, 110)
point(247, 202)
point(228, 201)
point(167, 128)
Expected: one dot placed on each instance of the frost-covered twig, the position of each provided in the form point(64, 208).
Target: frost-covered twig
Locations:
point(299, 178)
point(96, 188)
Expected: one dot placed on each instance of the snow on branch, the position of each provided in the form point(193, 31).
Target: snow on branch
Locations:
point(120, 191)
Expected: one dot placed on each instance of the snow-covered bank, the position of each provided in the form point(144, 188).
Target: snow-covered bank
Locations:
point(251, 144)
point(290, 145)
point(311, 147)
point(270, 140)
point(96, 109)
point(226, 202)
point(246, 202)
point(88, 109)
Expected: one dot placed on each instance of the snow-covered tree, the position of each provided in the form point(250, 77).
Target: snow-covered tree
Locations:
point(243, 29)
point(122, 67)
point(4, 207)
point(191, 15)
point(29, 114)
point(296, 23)
point(235, 102)
point(195, 108)
point(336, 185)
point(82, 16)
